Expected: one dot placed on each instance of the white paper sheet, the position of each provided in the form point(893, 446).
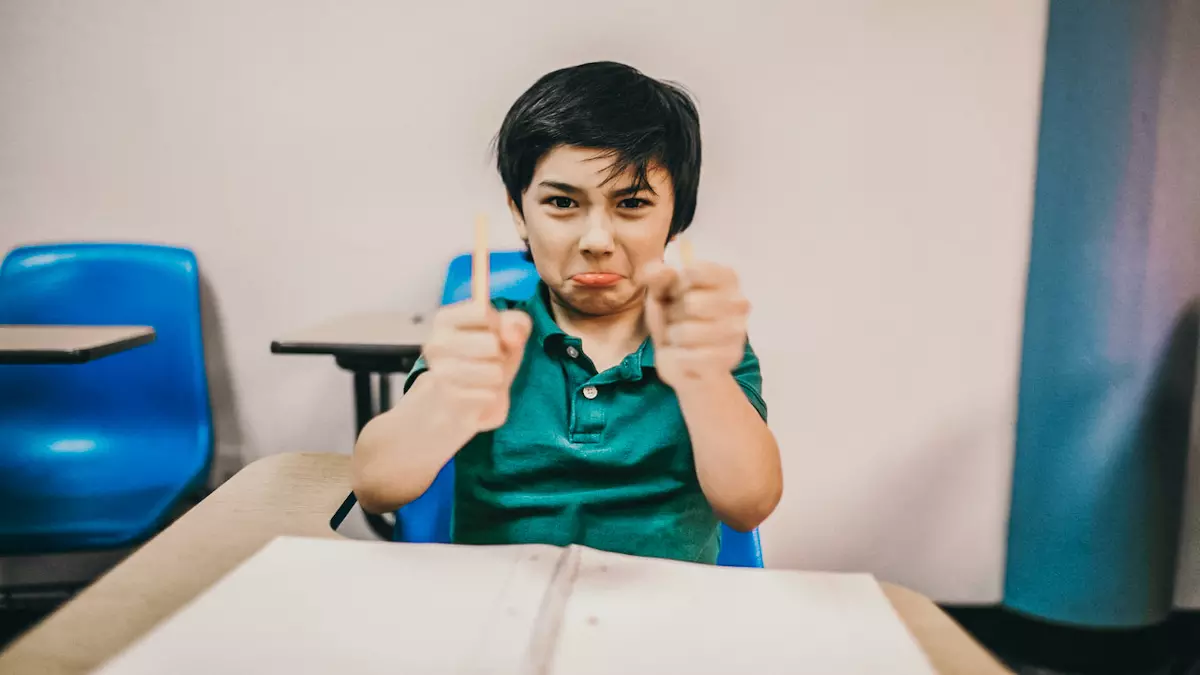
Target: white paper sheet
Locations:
point(304, 606)
point(632, 615)
point(325, 606)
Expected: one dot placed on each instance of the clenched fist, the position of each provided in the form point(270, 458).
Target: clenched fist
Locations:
point(473, 353)
point(697, 320)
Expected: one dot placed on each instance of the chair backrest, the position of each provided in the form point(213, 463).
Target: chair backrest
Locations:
point(109, 284)
point(510, 276)
point(427, 519)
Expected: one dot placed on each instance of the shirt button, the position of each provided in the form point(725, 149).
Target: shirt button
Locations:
point(590, 392)
point(572, 352)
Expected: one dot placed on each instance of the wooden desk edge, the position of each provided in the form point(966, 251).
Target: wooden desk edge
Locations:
point(137, 336)
point(398, 349)
point(297, 494)
point(133, 341)
point(316, 339)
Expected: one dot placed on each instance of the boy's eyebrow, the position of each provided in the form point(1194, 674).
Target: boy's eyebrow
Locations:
point(572, 190)
point(564, 187)
point(632, 190)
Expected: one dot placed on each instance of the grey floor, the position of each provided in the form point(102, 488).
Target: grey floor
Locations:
point(33, 586)
point(1030, 647)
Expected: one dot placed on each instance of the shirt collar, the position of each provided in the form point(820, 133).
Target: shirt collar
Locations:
point(538, 307)
point(548, 333)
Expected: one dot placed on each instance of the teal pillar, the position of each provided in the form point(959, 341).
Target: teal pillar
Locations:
point(1108, 366)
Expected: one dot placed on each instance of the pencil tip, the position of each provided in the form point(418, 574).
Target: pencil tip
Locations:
point(686, 253)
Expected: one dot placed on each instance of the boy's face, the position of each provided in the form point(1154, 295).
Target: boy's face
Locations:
point(589, 233)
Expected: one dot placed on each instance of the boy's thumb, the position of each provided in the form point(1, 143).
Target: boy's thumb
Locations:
point(515, 327)
point(658, 277)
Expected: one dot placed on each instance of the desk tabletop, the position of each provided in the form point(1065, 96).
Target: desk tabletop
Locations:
point(297, 494)
point(394, 333)
point(67, 344)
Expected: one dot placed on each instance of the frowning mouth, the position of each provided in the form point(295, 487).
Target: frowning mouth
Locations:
point(597, 279)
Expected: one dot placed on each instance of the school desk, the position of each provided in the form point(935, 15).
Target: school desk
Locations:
point(366, 344)
point(301, 495)
point(47, 344)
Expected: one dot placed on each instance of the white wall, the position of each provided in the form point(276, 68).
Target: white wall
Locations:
point(869, 170)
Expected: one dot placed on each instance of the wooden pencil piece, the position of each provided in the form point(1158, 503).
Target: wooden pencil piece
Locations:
point(686, 254)
point(480, 263)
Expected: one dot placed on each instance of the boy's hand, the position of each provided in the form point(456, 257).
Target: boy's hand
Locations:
point(473, 354)
point(697, 319)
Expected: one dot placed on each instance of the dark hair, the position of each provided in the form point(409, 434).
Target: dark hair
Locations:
point(613, 108)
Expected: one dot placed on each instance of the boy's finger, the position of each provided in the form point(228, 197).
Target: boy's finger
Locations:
point(703, 303)
point(465, 344)
point(661, 280)
point(705, 274)
point(515, 327)
point(701, 333)
point(655, 320)
point(473, 374)
point(468, 315)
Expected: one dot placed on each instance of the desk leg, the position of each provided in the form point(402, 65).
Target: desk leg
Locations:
point(364, 405)
point(385, 392)
point(364, 410)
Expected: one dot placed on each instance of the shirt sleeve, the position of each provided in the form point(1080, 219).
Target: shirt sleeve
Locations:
point(419, 367)
point(749, 377)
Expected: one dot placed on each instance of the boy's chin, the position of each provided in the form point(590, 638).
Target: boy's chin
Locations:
point(601, 302)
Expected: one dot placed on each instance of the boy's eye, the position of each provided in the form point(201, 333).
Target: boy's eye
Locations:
point(632, 203)
point(560, 202)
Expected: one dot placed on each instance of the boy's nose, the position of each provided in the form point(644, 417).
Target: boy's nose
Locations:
point(598, 239)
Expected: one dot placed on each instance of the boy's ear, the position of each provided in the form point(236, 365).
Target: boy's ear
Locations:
point(518, 219)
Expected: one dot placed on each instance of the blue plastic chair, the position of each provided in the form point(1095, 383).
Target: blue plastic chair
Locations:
point(427, 519)
point(97, 455)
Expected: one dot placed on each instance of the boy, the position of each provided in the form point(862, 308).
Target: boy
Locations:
point(620, 407)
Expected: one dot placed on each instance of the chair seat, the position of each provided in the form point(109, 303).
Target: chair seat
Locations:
point(63, 487)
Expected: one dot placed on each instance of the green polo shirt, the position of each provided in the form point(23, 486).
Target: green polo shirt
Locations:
point(601, 459)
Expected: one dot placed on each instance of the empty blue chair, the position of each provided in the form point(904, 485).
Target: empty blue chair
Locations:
point(427, 519)
point(97, 455)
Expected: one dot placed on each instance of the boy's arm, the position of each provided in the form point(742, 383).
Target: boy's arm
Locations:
point(399, 453)
point(737, 458)
point(697, 319)
point(472, 355)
